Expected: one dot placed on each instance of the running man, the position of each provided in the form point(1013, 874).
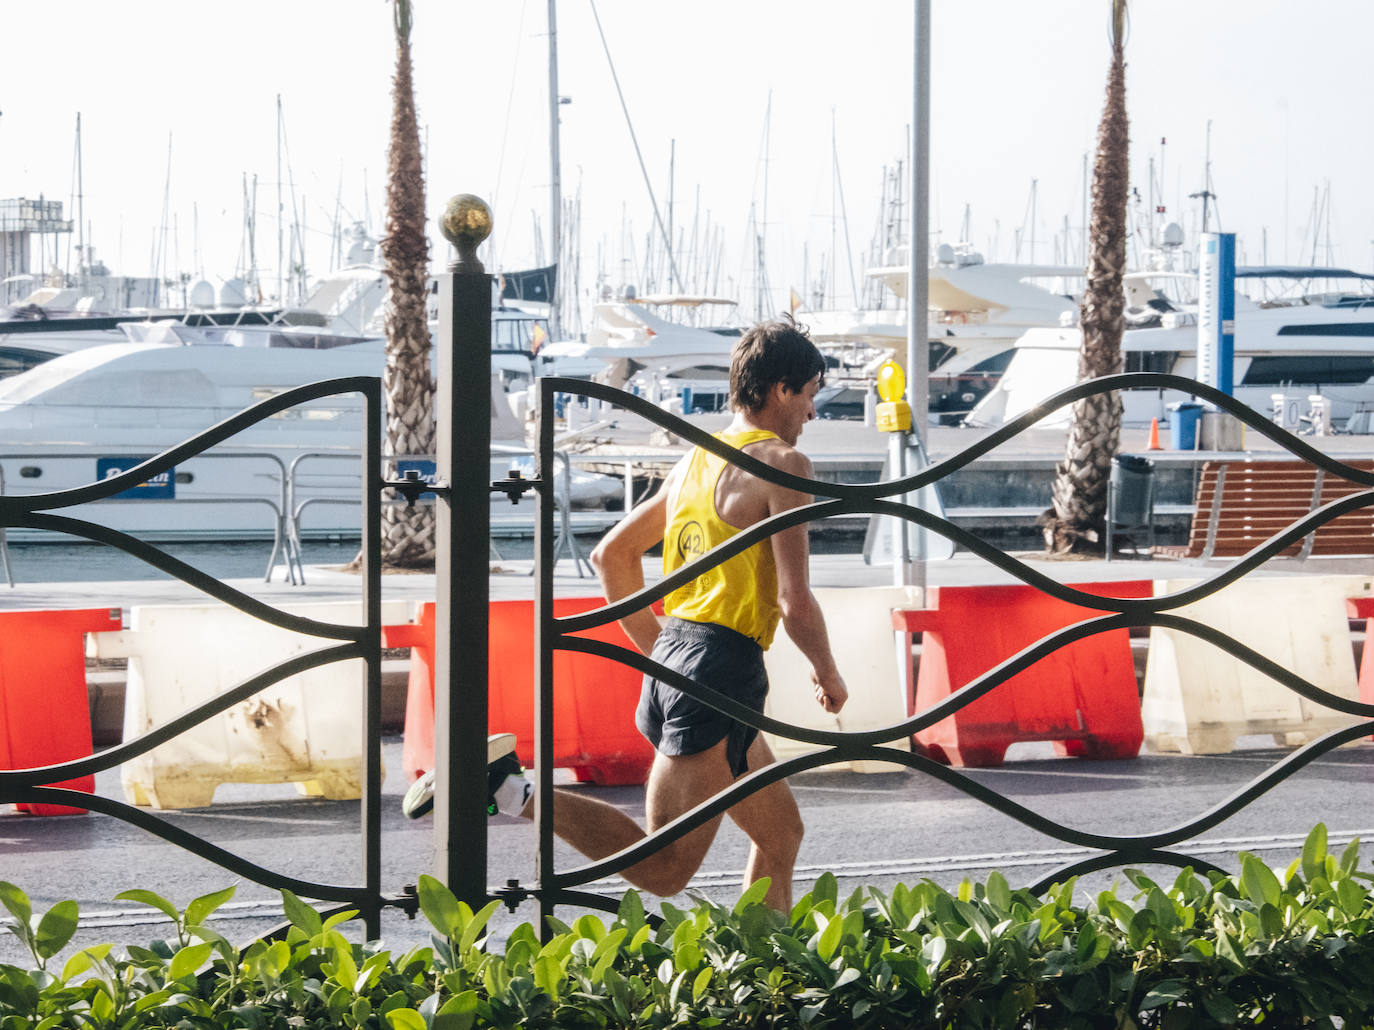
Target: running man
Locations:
point(717, 629)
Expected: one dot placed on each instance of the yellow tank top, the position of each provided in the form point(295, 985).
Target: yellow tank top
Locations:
point(740, 593)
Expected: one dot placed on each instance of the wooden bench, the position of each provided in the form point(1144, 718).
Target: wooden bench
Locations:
point(1241, 504)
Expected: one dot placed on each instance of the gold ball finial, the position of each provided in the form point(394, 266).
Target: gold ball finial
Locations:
point(465, 223)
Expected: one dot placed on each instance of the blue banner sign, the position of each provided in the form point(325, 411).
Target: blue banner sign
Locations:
point(161, 487)
point(427, 472)
point(1216, 311)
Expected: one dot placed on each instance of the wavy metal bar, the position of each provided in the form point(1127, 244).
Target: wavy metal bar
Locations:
point(1103, 384)
point(746, 785)
point(142, 744)
point(1126, 612)
point(190, 575)
point(975, 688)
point(188, 448)
point(198, 846)
point(1115, 859)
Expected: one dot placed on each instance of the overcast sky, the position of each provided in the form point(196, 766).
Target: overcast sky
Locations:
point(1015, 98)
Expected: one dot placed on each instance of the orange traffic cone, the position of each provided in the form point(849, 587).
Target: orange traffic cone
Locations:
point(1154, 436)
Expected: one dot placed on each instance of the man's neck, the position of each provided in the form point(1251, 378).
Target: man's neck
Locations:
point(745, 421)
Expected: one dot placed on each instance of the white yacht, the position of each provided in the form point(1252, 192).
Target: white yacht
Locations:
point(1299, 332)
point(82, 416)
point(977, 311)
point(631, 348)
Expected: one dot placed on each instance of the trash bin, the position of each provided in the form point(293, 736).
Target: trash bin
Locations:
point(1183, 421)
point(1131, 489)
point(1131, 499)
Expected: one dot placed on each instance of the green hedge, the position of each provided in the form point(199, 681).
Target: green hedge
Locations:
point(1258, 949)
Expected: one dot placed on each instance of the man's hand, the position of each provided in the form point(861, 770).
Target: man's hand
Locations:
point(831, 694)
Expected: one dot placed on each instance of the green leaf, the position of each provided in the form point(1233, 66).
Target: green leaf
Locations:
point(56, 928)
point(753, 895)
point(199, 910)
point(440, 906)
point(1228, 952)
point(699, 985)
point(17, 902)
point(1165, 993)
point(186, 961)
point(1258, 880)
point(76, 965)
point(458, 1013)
point(339, 917)
point(1351, 896)
point(406, 1019)
point(847, 977)
point(156, 901)
point(829, 939)
point(1314, 853)
point(548, 975)
point(631, 911)
point(827, 889)
point(1350, 857)
point(999, 893)
point(301, 914)
point(475, 926)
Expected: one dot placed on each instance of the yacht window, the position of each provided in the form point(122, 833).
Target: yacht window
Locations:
point(1151, 360)
point(516, 334)
point(14, 360)
point(941, 352)
point(1275, 371)
point(995, 365)
point(1329, 329)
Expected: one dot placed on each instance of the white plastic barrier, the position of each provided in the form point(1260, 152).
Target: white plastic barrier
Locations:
point(861, 636)
point(1198, 699)
point(305, 729)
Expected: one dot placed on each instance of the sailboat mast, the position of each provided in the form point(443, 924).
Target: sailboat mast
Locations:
point(281, 218)
point(556, 188)
point(80, 206)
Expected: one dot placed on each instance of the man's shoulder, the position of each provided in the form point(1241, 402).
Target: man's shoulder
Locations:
point(782, 455)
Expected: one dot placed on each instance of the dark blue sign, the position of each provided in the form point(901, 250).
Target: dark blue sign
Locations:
point(426, 470)
point(161, 487)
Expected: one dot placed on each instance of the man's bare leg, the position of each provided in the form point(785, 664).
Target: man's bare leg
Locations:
point(772, 822)
point(677, 784)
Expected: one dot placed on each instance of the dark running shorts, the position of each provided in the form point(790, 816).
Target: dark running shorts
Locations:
point(719, 658)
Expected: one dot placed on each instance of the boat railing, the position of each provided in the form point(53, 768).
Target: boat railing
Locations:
point(278, 505)
point(295, 505)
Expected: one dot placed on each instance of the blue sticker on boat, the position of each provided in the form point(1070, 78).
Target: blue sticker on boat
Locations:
point(161, 487)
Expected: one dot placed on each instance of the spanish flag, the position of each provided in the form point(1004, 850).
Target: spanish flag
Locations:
point(537, 338)
point(796, 301)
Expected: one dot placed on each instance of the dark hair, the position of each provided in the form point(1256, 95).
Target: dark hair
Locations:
point(773, 352)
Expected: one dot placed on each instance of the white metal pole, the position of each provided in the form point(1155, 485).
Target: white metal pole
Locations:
point(556, 200)
point(918, 287)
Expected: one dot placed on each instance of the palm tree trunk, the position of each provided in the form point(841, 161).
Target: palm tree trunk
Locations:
point(1078, 517)
point(407, 533)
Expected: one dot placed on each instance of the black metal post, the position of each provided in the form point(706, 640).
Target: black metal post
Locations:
point(372, 695)
point(461, 563)
point(545, 629)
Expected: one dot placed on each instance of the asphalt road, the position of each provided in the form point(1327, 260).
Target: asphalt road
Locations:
point(869, 829)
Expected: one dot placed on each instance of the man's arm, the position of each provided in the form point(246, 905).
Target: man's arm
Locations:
point(618, 561)
point(801, 613)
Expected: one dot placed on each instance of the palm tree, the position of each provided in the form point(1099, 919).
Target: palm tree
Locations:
point(407, 533)
point(1078, 518)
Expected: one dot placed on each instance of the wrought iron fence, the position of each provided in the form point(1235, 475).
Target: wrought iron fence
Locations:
point(362, 642)
point(560, 886)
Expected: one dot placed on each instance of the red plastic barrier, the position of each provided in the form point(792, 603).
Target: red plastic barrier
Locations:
point(1363, 608)
point(45, 716)
point(594, 698)
point(1083, 696)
